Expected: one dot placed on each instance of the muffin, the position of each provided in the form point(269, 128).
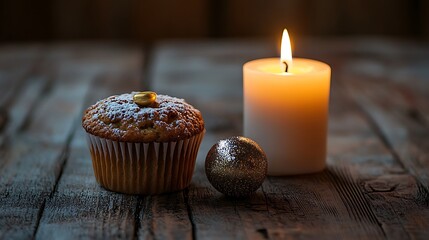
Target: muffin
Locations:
point(143, 148)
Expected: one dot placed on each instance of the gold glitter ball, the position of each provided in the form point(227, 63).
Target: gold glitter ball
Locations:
point(144, 99)
point(236, 166)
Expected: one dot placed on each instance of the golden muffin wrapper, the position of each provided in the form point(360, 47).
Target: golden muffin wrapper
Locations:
point(144, 168)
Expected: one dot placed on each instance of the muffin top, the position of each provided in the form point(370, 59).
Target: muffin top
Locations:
point(119, 118)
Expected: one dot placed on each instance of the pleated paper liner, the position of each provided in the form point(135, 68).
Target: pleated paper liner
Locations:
point(144, 168)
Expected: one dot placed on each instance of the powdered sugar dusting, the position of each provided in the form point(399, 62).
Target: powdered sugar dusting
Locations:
point(119, 118)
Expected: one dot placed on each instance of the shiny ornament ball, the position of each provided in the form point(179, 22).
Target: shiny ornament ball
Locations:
point(236, 166)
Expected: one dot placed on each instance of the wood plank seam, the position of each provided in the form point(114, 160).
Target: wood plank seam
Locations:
point(190, 215)
point(42, 95)
point(110, 83)
point(423, 195)
point(137, 220)
point(5, 131)
point(39, 216)
point(147, 209)
point(264, 231)
point(42, 66)
point(65, 152)
point(59, 158)
point(266, 199)
point(377, 129)
point(63, 160)
point(374, 126)
point(19, 125)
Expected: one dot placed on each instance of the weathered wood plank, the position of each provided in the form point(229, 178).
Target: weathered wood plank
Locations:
point(396, 198)
point(360, 195)
point(19, 111)
point(165, 217)
point(16, 63)
point(3, 118)
point(79, 207)
point(400, 121)
point(47, 188)
point(36, 155)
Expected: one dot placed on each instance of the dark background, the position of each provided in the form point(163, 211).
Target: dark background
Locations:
point(151, 20)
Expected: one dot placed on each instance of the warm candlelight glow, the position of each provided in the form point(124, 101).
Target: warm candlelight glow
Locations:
point(286, 110)
point(286, 51)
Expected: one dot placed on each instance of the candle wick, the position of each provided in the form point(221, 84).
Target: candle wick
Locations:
point(286, 66)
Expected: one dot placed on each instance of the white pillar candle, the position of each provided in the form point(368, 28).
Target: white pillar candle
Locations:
point(287, 112)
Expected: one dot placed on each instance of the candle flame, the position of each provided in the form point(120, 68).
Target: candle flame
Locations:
point(286, 51)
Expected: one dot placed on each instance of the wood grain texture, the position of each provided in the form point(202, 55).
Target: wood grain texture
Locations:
point(375, 185)
point(165, 217)
point(79, 207)
point(400, 112)
point(358, 196)
point(17, 64)
point(366, 173)
point(38, 151)
point(33, 158)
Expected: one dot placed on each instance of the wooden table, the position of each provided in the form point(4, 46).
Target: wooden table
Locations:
point(376, 185)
